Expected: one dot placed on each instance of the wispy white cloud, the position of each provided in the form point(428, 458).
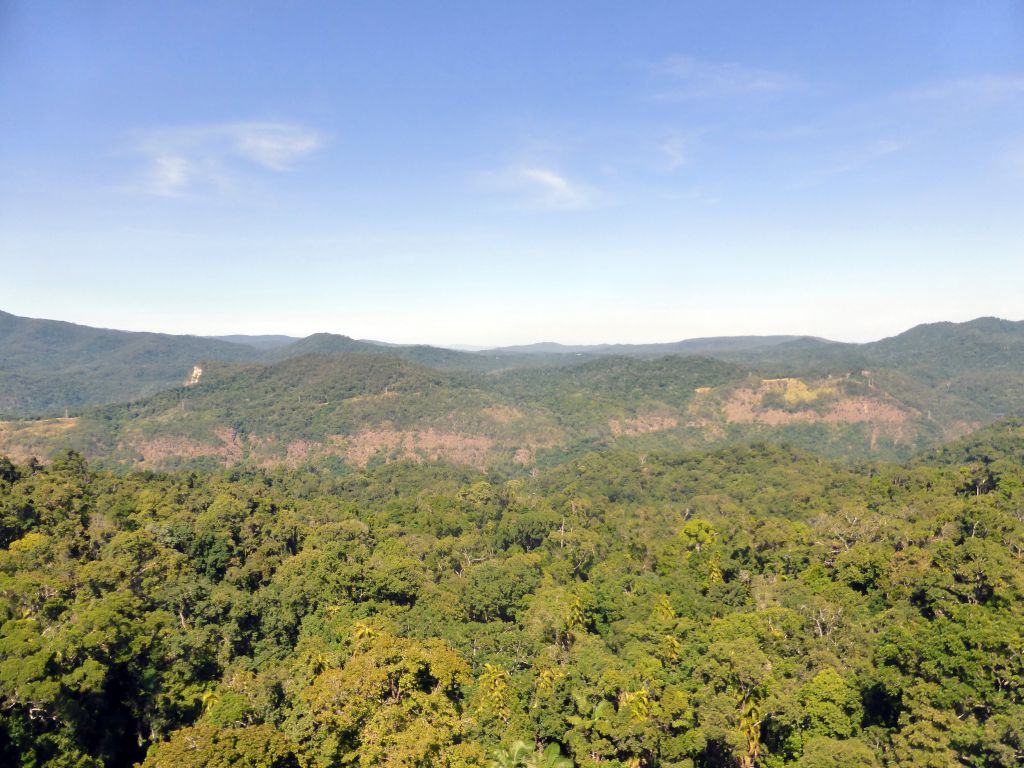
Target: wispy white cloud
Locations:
point(687, 77)
point(183, 161)
point(276, 147)
point(169, 175)
point(541, 186)
point(675, 153)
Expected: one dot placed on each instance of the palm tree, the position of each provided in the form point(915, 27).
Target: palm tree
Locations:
point(589, 714)
point(549, 757)
point(522, 755)
point(513, 757)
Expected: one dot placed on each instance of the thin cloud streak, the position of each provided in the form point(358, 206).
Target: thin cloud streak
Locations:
point(692, 78)
point(184, 161)
point(544, 188)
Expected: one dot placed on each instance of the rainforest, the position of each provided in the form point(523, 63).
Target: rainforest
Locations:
point(751, 605)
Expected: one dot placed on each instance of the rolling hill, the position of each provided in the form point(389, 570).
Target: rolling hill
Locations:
point(48, 367)
point(359, 407)
point(356, 409)
point(333, 398)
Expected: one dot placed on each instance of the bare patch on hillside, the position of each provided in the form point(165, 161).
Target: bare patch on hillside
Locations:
point(232, 445)
point(418, 445)
point(300, 451)
point(22, 440)
point(157, 451)
point(747, 406)
point(641, 424)
point(796, 392)
point(428, 444)
point(524, 456)
point(744, 407)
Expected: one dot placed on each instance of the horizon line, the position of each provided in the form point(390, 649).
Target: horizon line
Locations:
point(475, 348)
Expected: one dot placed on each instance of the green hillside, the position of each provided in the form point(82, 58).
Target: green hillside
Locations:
point(361, 407)
point(950, 349)
point(47, 366)
point(351, 557)
point(335, 399)
point(357, 409)
point(981, 361)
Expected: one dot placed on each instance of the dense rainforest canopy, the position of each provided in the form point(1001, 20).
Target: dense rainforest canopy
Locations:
point(748, 606)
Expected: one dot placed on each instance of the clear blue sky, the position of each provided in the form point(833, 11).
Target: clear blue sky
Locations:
point(504, 172)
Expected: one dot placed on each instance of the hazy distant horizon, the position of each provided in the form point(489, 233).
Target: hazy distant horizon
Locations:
point(460, 346)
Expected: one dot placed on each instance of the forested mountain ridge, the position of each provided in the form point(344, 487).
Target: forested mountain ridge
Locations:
point(986, 342)
point(48, 366)
point(981, 360)
point(323, 398)
point(752, 606)
point(434, 357)
point(267, 341)
point(357, 408)
point(354, 409)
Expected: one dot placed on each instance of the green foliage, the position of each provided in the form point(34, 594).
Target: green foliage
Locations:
point(825, 752)
point(521, 755)
point(751, 606)
point(206, 746)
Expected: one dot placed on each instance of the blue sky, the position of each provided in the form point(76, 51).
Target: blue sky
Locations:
point(491, 173)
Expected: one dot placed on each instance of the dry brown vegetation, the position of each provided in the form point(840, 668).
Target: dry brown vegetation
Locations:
point(745, 407)
point(21, 440)
point(156, 452)
point(886, 419)
point(457, 447)
point(642, 424)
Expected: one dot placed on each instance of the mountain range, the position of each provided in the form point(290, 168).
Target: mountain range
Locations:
point(48, 367)
point(157, 400)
